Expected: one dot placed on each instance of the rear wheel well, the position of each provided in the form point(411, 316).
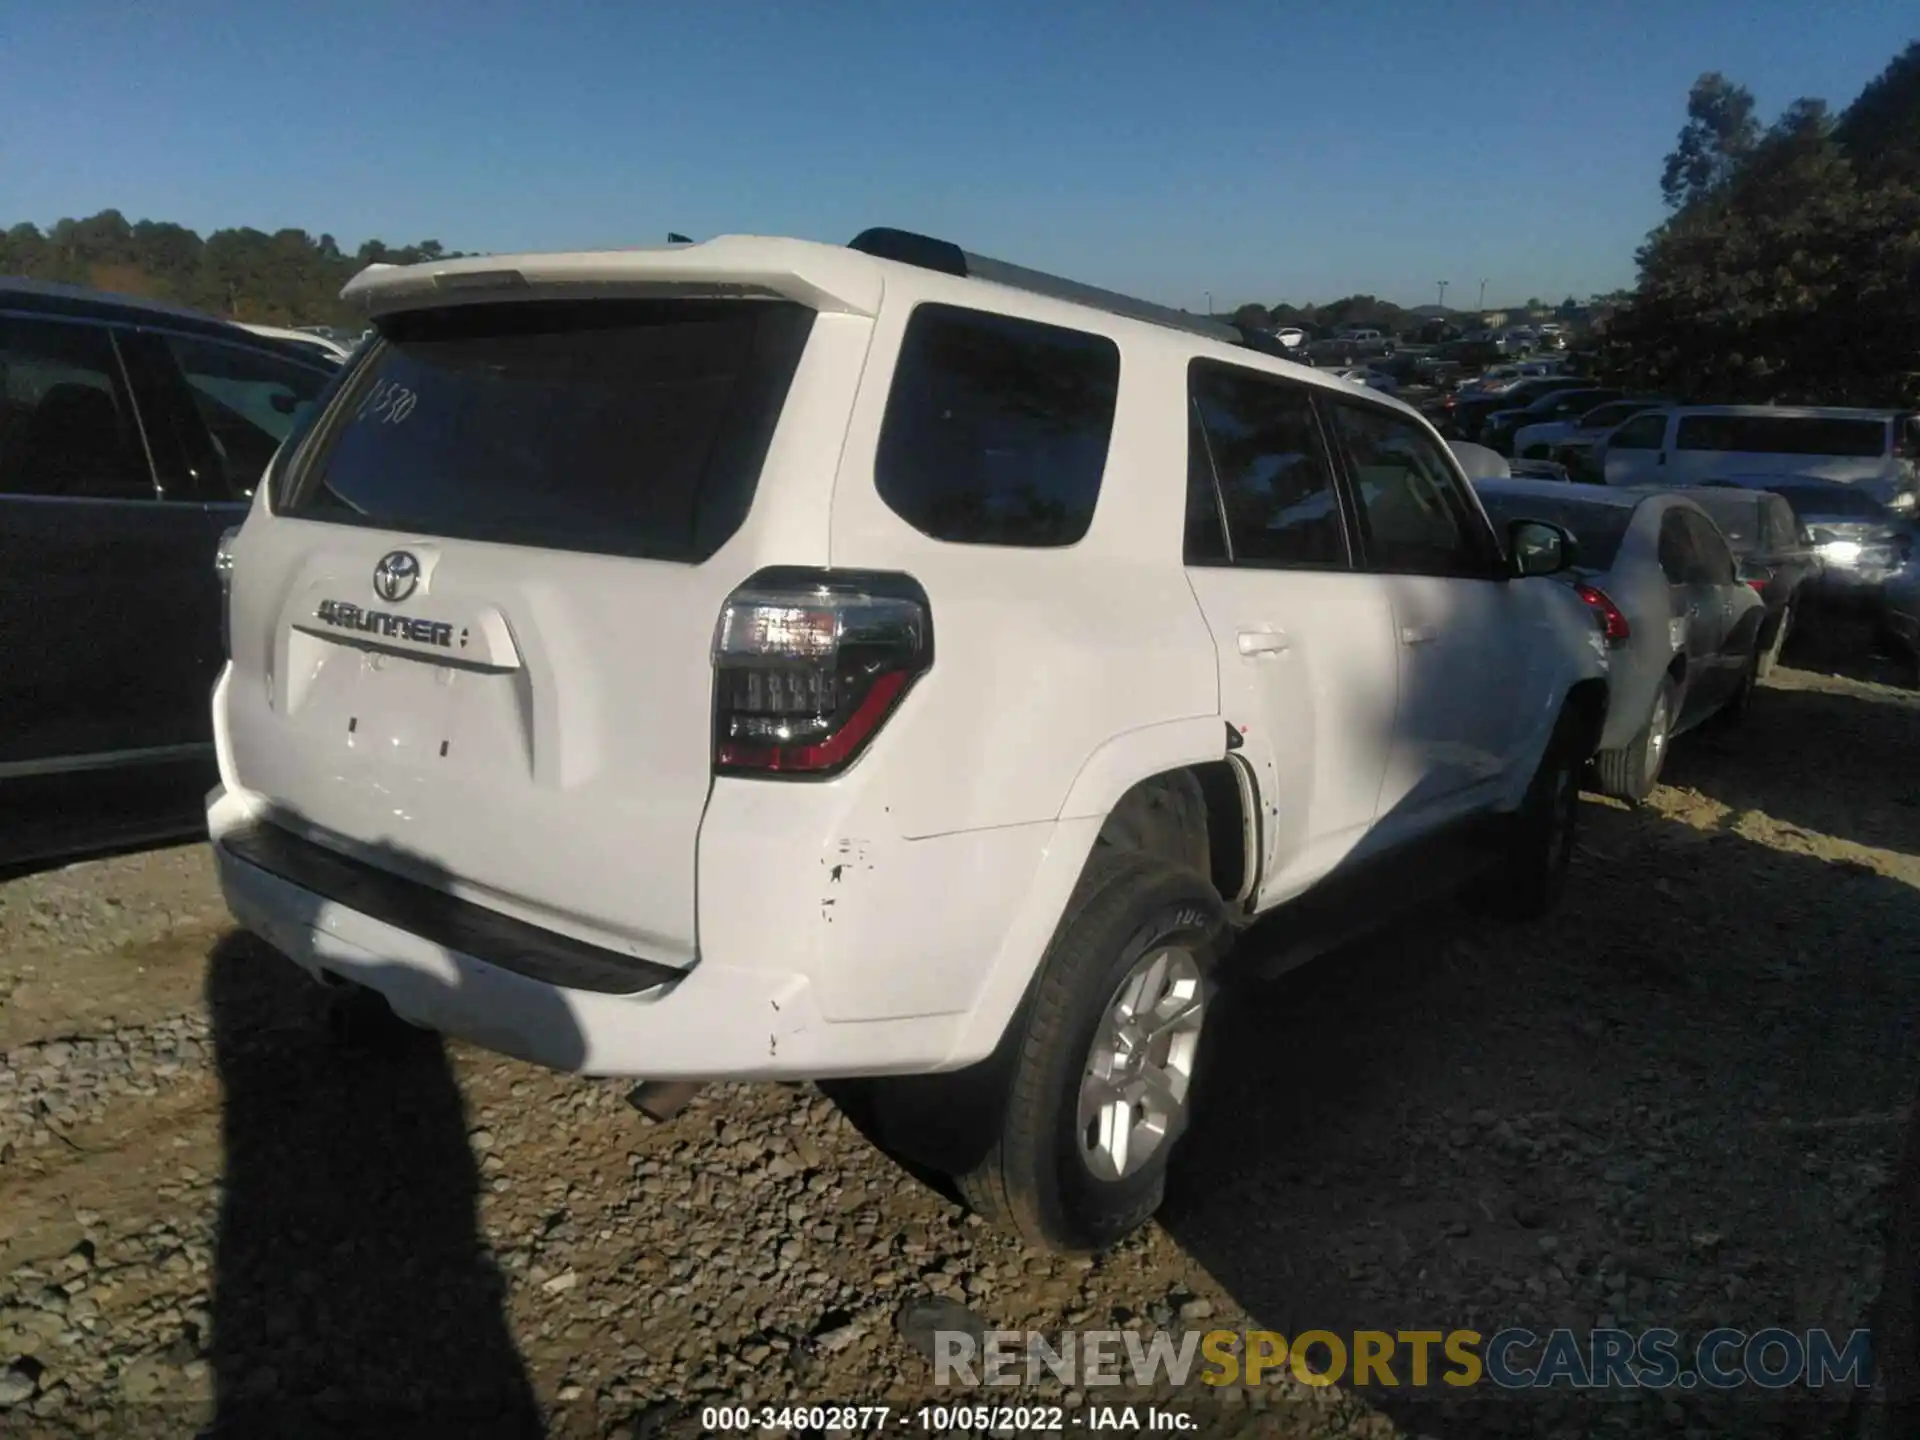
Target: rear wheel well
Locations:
point(1196, 817)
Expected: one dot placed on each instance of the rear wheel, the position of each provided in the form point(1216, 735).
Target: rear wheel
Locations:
point(1102, 1075)
point(1631, 772)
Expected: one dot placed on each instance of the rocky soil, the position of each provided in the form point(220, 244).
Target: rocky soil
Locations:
point(1677, 1103)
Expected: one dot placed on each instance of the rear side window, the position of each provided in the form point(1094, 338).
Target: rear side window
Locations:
point(1832, 501)
point(996, 428)
point(616, 427)
point(66, 423)
point(1783, 435)
point(1275, 479)
point(1783, 531)
point(1737, 515)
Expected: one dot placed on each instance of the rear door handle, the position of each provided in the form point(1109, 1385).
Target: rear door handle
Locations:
point(1263, 642)
point(1418, 634)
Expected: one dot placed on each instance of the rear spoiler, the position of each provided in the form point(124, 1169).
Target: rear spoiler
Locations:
point(823, 277)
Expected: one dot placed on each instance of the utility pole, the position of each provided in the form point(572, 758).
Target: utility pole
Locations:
point(1483, 294)
point(1443, 294)
point(1209, 295)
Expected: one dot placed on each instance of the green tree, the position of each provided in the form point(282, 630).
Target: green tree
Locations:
point(286, 277)
point(1880, 131)
point(1720, 133)
point(1787, 274)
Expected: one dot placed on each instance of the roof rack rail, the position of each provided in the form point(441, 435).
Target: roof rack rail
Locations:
point(930, 253)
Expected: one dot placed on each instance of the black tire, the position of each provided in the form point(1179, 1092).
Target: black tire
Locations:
point(1775, 642)
point(1739, 707)
point(1631, 772)
point(1032, 1177)
point(1532, 873)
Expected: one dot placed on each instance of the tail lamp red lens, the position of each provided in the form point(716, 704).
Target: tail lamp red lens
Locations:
point(809, 665)
point(1612, 620)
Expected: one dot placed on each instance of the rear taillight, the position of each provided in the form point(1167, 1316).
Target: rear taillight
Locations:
point(1613, 622)
point(807, 666)
point(223, 568)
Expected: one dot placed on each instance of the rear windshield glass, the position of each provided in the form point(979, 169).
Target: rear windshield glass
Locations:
point(1783, 435)
point(1835, 500)
point(1738, 517)
point(625, 428)
point(996, 428)
point(1598, 530)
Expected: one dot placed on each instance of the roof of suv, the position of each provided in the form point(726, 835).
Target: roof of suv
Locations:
point(844, 279)
point(1793, 412)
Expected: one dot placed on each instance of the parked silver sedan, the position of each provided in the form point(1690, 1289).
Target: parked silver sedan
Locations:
point(1683, 629)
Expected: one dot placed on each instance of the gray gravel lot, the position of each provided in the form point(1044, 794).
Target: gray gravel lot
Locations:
point(1676, 1103)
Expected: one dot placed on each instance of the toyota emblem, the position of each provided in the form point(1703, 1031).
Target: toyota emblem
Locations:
point(396, 576)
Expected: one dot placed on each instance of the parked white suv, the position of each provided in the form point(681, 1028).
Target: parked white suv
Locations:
point(765, 659)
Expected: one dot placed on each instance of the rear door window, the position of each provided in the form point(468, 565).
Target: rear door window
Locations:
point(1713, 562)
point(1784, 435)
point(996, 428)
point(247, 400)
point(1678, 559)
point(1643, 432)
point(615, 427)
point(1276, 483)
point(67, 426)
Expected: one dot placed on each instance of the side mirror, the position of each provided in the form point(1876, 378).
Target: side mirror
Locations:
point(1539, 548)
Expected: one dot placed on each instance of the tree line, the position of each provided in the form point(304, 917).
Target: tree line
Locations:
point(284, 278)
point(1788, 270)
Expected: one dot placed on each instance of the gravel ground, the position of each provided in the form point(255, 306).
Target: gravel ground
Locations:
point(1676, 1103)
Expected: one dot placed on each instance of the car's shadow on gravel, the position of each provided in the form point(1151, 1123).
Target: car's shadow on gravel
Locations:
point(1861, 750)
point(1674, 1103)
point(353, 1293)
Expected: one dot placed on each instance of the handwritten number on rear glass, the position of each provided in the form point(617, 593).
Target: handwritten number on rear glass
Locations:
point(387, 403)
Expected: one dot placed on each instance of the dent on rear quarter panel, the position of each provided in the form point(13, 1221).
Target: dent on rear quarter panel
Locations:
point(909, 926)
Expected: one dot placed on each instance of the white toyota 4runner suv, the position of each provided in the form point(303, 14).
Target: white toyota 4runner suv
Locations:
point(762, 659)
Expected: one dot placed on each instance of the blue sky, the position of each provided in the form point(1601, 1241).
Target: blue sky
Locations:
point(1255, 149)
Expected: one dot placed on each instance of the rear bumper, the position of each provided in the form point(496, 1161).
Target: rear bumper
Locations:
point(716, 1021)
point(874, 992)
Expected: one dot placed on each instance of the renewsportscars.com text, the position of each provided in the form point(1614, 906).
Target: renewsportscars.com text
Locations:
point(1511, 1359)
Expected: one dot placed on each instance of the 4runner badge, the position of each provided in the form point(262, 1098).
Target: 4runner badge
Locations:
point(396, 576)
point(344, 615)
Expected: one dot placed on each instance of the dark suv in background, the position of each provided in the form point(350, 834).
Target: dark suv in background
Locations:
point(131, 435)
